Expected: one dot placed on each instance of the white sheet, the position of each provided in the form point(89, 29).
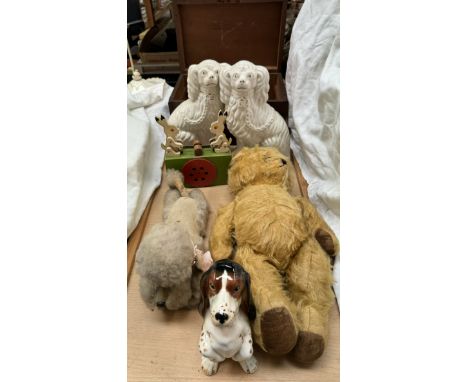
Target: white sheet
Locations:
point(313, 87)
point(145, 156)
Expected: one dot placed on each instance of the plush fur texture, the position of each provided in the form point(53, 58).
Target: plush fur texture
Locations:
point(194, 116)
point(244, 90)
point(164, 259)
point(285, 246)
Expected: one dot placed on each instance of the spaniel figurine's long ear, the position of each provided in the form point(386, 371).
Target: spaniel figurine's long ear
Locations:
point(193, 86)
point(204, 301)
point(263, 85)
point(224, 82)
point(247, 304)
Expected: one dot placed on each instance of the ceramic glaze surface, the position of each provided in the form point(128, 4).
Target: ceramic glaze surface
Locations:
point(194, 116)
point(244, 90)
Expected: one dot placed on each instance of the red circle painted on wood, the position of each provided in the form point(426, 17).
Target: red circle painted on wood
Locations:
point(199, 173)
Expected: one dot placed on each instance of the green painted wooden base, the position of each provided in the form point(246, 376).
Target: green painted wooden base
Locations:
point(209, 169)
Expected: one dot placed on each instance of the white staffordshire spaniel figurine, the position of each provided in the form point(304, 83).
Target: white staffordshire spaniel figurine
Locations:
point(193, 117)
point(226, 307)
point(244, 90)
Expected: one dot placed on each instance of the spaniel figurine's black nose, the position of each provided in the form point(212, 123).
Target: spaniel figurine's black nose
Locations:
point(221, 317)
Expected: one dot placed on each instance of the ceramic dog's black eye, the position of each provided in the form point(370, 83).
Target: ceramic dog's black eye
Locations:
point(237, 288)
point(212, 286)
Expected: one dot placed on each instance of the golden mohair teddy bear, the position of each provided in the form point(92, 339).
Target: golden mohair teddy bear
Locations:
point(285, 246)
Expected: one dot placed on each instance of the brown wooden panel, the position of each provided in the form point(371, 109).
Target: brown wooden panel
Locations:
point(229, 31)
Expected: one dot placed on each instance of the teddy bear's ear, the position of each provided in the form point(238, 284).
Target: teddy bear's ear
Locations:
point(238, 155)
point(240, 174)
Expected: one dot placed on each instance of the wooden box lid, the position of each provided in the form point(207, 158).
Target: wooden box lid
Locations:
point(229, 31)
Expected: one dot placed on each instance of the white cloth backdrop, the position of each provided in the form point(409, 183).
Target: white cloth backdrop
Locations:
point(145, 100)
point(313, 87)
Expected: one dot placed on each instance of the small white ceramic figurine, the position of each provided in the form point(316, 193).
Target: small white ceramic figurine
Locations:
point(219, 143)
point(137, 82)
point(172, 146)
point(244, 90)
point(194, 116)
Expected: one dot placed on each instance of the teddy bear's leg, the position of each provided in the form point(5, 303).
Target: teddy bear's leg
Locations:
point(179, 295)
point(274, 328)
point(310, 281)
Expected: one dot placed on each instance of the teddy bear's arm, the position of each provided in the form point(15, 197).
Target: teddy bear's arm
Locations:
point(319, 228)
point(221, 234)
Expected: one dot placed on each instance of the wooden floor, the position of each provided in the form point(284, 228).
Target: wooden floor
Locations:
point(162, 345)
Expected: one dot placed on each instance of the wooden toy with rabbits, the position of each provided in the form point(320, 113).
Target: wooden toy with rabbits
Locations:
point(202, 166)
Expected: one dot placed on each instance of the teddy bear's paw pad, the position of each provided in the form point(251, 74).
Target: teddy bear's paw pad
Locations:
point(209, 367)
point(249, 365)
point(309, 347)
point(278, 331)
point(325, 241)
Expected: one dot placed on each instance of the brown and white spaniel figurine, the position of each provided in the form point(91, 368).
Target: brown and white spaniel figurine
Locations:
point(226, 307)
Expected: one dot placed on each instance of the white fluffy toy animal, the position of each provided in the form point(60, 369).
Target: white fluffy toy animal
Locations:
point(193, 117)
point(226, 308)
point(170, 258)
point(244, 91)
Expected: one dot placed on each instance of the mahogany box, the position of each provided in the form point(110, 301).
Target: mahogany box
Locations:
point(229, 31)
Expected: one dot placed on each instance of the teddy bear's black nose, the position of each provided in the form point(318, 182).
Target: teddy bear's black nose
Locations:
point(283, 161)
point(221, 317)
